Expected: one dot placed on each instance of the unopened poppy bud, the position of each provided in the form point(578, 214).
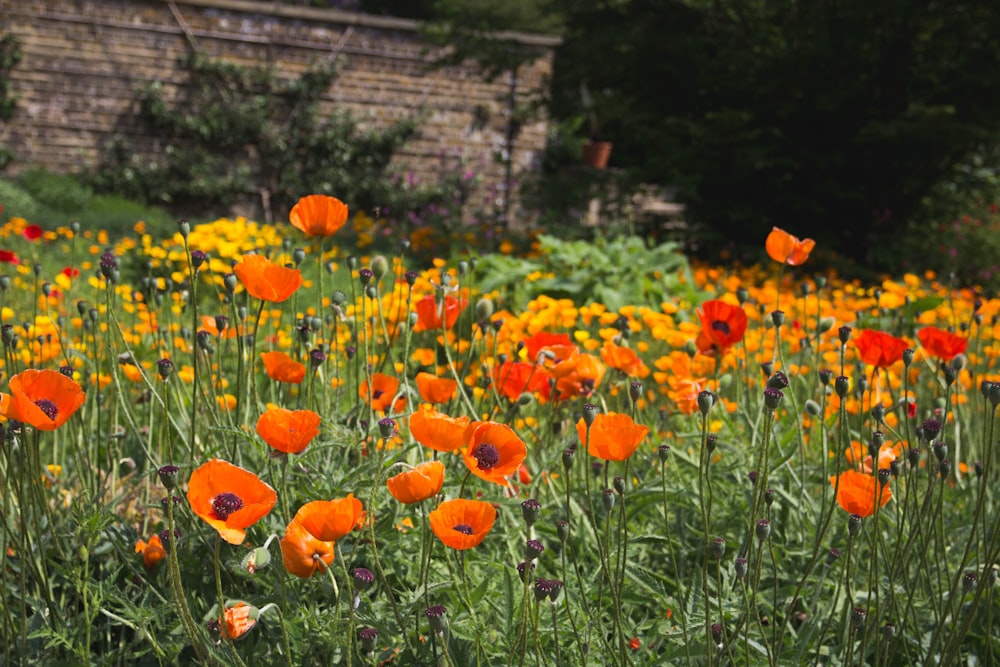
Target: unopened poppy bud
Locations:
point(256, 559)
point(984, 388)
point(410, 277)
point(777, 381)
point(619, 484)
point(950, 374)
point(379, 266)
point(184, 227)
point(853, 524)
point(363, 578)
point(979, 467)
point(168, 475)
point(437, 617)
point(940, 450)
point(529, 511)
point(371, 292)
point(752, 476)
point(888, 631)
point(352, 262)
point(769, 497)
point(878, 414)
point(690, 349)
point(67, 371)
point(562, 529)
point(767, 368)
point(832, 555)
point(825, 375)
point(858, 616)
point(589, 414)
point(719, 548)
point(772, 397)
point(742, 295)
point(969, 580)
point(366, 638)
point(883, 476)
point(567, 458)
point(198, 257)
point(706, 400)
point(825, 324)
point(608, 500)
point(711, 441)
point(778, 317)
point(878, 439)
point(386, 427)
point(812, 407)
point(944, 468)
point(763, 529)
point(365, 276)
point(913, 456)
point(844, 334)
point(635, 390)
point(717, 631)
point(995, 394)
point(740, 565)
point(533, 549)
point(842, 385)
point(484, 308)
point(862, 385)
point(525, 570)
point(663, 451)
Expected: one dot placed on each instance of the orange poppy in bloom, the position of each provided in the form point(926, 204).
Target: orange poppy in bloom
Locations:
point(330, 520)
point(229, 498)
point(462, 524)
point(434, 389)
point(623, 359)
point(514, 378)
point(239, 619)
point(787, 249)
point(302, 553)
point(288, 431)
point(417, 485)
point(45, 399)
point(430, 313)
point(383, 390)
point(582, 380)
point(318, 215)
point(543, 339)
point(558, 360)
point(722, 326)
point(493, 451)
point(282, 368)
point(437, 430)
point(857, 492)
point(613, 436)
point(265, 280)
point(879, 349)
point(152, 551)
point(941, 343)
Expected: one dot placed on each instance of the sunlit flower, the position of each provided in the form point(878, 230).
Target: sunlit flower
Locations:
point(434, 389)
point(266, 280)
point(462, 524)
point(318, 215)
point(417, 485)
point(581, 381)
point(623, 359)
point(437, 430)
point(383, 391)
point(787, 249)
point(282, 368)
point(330, 520)
point(722, 326)
point(152, 551)
point(302, 553)
point(431, 314)
point(288, 431)
point(941, 343)
point(857, 492)
point(229, 498)
point(613, 436)
point(45, 399)
point(879, 349)
point(493, 451)
point(514, 378)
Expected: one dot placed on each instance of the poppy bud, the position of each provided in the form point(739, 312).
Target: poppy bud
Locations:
point(367, 637)
point(842, 385)
point(619, 484)
point(717, 630)
point(767, 368)
point(763, 529)
point(853, 524)
point(256, 559)
point(772, 397)
point(950, 374)
point(913, 456)
point(944, 469)
point(940, 450)
point(484, 308)
point(567, 458)
point(742, 295)
point(778, 317)
point(371, 292)
point(711, 440)
point(635, 390)
point(995, 394)
point(883, 476)
point(969, 580)
point(525, 570)
point(812, 407)
point(769, 497)
point(365, 276)
point(562, 528)
point(984, 388)
point(878, 414)
point(410, 277)
point(888, 631)
point(719, 548)
point(386, 427)
point(589, 414)
point(832, 555)
point(379, 266)
point(198, 257)
point(862, 385)
point(844, 334)
point(437, 617)
point(825, 324)
point(878, 439)
point(529, 511)
point(184, 227)
point(858, 616)
point(740, 565)
point(979, 467)
point(825, 375)
point(777, 381)
point(363, 578)
point(894, 467)
point(352, 262)
point(907, 357)
point(663, 451)
point(533, 549)
point(706, 400)
point(608, 500)
point(168, 475)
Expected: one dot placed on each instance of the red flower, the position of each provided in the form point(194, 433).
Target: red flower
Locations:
point(266, 280)
point(282, 368)
point(493, 452)
point(462, 524)
point(33, 232)
point(722, 326)
point(543, 339)
point(434, 389)
point(857, 492)
point(879, 349)
point(383, 390)
point(514, 378)
point(318, 215)
point(44, 399)
point(941, 343)
point(9, 257)
point(613, 436)
point(229, 498)
point(430, 313)
point(70, 272)
point(437, 430)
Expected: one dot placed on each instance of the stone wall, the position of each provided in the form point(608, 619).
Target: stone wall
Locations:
point(85, 59)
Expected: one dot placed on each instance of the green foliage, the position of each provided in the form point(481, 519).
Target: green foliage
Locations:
point(616, 272)
point(59, 192)
point(10, 56)
point(236, 131)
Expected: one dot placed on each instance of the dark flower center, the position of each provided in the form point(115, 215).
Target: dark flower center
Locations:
point(225, 504)
point(719, 325)
point(48, 407)
point(487, 455)
point(463, 528)
point(377, 394)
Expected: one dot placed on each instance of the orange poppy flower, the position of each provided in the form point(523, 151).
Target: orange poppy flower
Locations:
point(787, 249)
point(383, 390)
point(493, 451)
point(282, 368)
point(302, 553)
point(543, 339)
point(880, 349)
point(941, 343)
point(417, 485)
point(462, 524)
point(624, 359)
point(288, 431)
point(722, 326)
point(613, 436)
point(44, 399)
point(858, 492)
point(330, 520)
point(239, 619)
point(434, 389)
point(152, 551)
point(318, 215)
point(265, 280)
point(229, 498)
point(514, 378)
point(430, 313)
point(437, 430)
point(584, 377)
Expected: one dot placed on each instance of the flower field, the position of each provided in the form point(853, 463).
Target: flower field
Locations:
point(233, 443)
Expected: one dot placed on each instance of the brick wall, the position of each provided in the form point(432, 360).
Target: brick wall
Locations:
point(84, 60)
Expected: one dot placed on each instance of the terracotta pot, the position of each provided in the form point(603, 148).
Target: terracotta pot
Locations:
point(597, 153)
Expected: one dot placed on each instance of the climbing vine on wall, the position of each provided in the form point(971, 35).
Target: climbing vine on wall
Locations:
point(10, 56)
point(234, 131)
